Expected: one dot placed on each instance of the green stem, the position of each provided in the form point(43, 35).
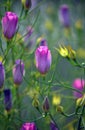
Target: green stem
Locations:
point(80, 118)
point(18, 101)
point(54, 121)
point(21, 12)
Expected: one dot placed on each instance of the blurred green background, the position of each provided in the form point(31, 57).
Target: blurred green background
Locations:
point(43, 15)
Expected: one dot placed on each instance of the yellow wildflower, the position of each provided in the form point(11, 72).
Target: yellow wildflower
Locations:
point(40, 39)
point(49, 25)
point(56, 100)
point(71, 53)
point(67, 32)
point(81, 53)
point(33, 93)
point(1, 59)
point(50, 10)
point(63, 51)
point(19, 38)
point(67, 51)
point(78, 24)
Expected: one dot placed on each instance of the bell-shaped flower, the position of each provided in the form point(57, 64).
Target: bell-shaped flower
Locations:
point(43, 59)
point(18, 72)
point(2, 75)
point(64, 15)
point(79, 85)
point(9, 25)
point(7, 99)
point(29, 126)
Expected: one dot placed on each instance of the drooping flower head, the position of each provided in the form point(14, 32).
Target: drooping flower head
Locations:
point(43, 59)
point(18, 72)
point(7, 99)
point(64, 15)
point(26, 3)
point(78, 84)
point(53, 126)
point(2, 75)
point(29, 126)
point(9, 24)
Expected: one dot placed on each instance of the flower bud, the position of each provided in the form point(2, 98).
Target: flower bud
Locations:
point(29, 126)
point(43, 42)
point(80, 101)
point(43, 59)
point(26, 3)
point(60, 109)
point(64, 15)
point(9, 25)
point(18, 72)
point(35, 103)
point(46, 105)
point(78, 84)
point(2, 75)
point(7, 99)
point(53, 126)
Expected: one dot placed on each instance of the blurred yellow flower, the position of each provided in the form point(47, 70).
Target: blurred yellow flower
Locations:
point(56, 100)
point(71, 52)
point(33, 93)
point(19, 38)
point(1, 59)
point(49, 25)
point(66, 51)
point(70, 127)
point(39, 39)
point(50, 10)
point(63, 51)
point(78, 24)
point(67, 32)
point(81, 53)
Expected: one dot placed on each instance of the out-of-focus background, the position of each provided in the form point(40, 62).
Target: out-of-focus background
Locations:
point(44, 17)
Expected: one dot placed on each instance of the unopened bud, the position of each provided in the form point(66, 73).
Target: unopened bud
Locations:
point(46, 105)
point(60, 109)
point(26, 3)
point(80, 101)
point(35, 103)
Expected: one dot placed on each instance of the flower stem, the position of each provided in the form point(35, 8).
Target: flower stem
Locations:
point(54, 121)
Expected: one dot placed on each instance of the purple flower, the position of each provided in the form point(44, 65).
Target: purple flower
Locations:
point(9, 24)
point(18, 72)
point(43, 59)
point(27, 4)
point(43, 42)
point(64, 15)
point(2, 75)
point(78, 84)
point(53, 126)
point(28, 126)
point(46, 104)
point(7, 99)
